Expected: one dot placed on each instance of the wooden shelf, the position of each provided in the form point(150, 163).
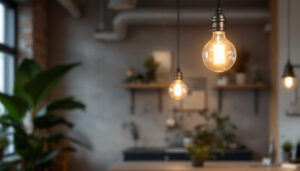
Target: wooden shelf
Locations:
point(254, 87)
point(133, 87)
point(146, 86)
point(237, 86)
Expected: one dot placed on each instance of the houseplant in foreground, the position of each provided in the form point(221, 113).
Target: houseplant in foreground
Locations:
point(36, 142)
point(214, 134)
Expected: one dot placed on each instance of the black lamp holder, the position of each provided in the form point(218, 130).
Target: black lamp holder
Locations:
point(218, 20)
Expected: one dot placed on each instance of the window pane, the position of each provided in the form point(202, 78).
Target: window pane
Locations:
point(2, 79)
point(2, 23)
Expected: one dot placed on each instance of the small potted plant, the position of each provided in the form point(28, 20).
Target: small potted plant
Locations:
point(150, 65)
point(241, 67)
point(287, 148)
point(199, 153)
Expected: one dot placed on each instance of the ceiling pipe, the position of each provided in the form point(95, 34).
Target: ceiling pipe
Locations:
point(71, 7)
point(168, 17)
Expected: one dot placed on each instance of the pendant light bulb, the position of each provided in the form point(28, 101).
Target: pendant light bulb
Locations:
point(288, 82)
point(178, 90)
point(288, 76)
point(219, 54)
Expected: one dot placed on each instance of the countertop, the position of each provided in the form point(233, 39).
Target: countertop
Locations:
point(186, 166)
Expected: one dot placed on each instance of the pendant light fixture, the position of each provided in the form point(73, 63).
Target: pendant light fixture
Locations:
point(178, 90)
point(219, 54)
point(288, 73)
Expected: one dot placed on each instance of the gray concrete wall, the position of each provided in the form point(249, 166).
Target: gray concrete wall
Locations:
point(288, 126)
point(98, 83)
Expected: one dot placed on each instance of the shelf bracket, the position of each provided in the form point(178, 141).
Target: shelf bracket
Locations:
point(132, 98)
point(220, 100)
point(160, 100)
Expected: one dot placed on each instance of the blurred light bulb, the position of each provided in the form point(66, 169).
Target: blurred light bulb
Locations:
point(178, 90)
point(219, 54)
point(288, 82)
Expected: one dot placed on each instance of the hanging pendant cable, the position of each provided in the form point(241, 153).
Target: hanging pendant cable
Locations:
point(178, 35)
point(288, 30)
point(219, 4)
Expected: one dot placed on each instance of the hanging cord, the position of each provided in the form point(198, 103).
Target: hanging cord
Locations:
point(219, 4)
point(288, 29)
point(178, 35)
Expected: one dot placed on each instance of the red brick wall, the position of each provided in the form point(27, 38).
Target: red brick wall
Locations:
point(32, 31)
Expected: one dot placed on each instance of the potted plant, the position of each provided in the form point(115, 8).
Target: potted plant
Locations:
point(150, 65)
point(287, 148)
point(214, 134)
point(37, 144)
point(240, 67)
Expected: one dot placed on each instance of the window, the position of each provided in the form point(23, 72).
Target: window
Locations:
point(7, 51)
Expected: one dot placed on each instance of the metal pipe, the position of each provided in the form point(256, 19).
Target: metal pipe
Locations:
point(168, 17)
point(71, 7)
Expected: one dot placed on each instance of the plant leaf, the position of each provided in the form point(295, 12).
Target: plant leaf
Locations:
point(57, 137)
point(48, 156)
point(15, 106)
point(40, 86)
point(49, 120)
point(65, 104)
point(24, 73)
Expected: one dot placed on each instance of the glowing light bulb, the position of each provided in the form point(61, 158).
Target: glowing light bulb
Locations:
point(178, 90)
point(288, 82)
point(219, 54)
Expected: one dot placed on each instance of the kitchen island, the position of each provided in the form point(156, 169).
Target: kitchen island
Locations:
point(186, 166)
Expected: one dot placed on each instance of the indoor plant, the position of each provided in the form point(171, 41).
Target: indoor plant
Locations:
point(287, 148)
point(37, 144)
point(150, 65)
point(214, 134)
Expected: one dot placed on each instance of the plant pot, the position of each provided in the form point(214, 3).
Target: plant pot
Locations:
point(197, 162)
point(240, 78)
point(223, 80)
point(150, 77)
point(286, 156)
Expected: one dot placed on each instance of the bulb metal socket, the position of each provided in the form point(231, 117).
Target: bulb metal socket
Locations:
point(218, 21)
point(178, 75)
point(288, 70)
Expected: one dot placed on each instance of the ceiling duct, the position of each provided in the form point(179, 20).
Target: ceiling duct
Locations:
point(167, 17)
point(121, 4)
point(71, 7)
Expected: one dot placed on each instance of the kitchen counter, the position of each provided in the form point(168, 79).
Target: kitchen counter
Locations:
point(186, 166)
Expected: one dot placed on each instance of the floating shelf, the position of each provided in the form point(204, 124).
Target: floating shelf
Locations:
point(237, 86)
point(255, 87)
point(146, 86)
point(141, 86)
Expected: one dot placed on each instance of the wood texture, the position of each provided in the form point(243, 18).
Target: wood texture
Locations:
point(236, 86)
point(186, 166)
point(146, 86)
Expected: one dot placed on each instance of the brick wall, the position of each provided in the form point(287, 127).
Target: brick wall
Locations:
point(32, 31)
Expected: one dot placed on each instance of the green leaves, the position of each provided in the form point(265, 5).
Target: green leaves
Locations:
point(32, 86)
point(15, 106)
point(50, 120)
point(65, 104)
point(40, 86)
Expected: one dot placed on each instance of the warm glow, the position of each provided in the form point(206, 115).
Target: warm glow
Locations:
point(289, 82)
point(219, 54)
point(178, 90)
